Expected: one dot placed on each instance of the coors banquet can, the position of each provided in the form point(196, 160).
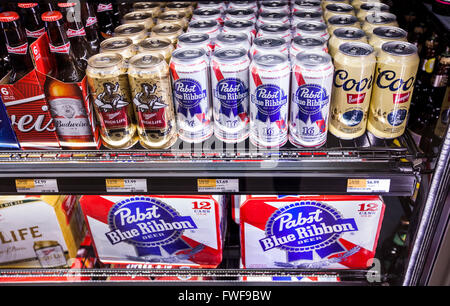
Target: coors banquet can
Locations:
point(343, 35)
point(269, 95)
point(230, 91)
point(312, 80)
point(108, 83)
point(191, 94)
point(151, 92)
point(380, 35)
point(394, 83)
point(352, 88)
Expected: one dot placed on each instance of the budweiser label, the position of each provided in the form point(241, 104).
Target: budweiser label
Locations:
point(70, 117)
point(35, 34)
point(60, 49)
point(22, 49)
point(74, 33)
point(104, 7)
point(91, 21)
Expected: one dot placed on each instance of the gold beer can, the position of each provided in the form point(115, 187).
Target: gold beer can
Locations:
point(140, 17)
point(181, 7)
point(342, 20)
point(108, 83)
point(378, 19)
point(173, 17)
point(337, 9)
point(395, 75)
point(352, 86)
point(120, 45)
point(152, 98)
point(167, 30)
point(135, 31)
point(368, 8)
point(343, 35)
point(381, 35)
point(153, 8)
point(157, 46)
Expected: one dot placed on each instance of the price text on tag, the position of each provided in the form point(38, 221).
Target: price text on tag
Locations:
point(37, 185)
point(368, 185)
point(126, 185)
point(218, 185)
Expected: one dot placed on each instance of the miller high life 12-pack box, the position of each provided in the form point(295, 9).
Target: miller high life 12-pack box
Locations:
point(167, 230)
point(316, 232)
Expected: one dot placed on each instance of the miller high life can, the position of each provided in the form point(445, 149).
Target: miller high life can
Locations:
point(108, 83)
point(173, 17)
point(307, 44)
point(370, 7)
point(153, 8)
point(352, 88)
point(378, 19)
point(120, 45)
point(195, 40)
point(343, 35)
point(135, 31)
point(272, 17)
point(339, 21)
point(238, 26)
point(282, 30)
point(236, 40)
point(269, 100)
point(337, 9)
point(395, 75)
point(269, 45)
point(240, 15)
point(182, 7)
point(167, 30)
point(307, 5)
point(139, 17)
point(157, 46)
point(312, 29)
point(312, 81)
point(210, 27)
point(230, 90)
point(151, 93)
point(192, 94)
point(380, 35)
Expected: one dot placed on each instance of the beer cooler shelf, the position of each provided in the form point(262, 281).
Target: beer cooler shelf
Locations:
point(243, 169)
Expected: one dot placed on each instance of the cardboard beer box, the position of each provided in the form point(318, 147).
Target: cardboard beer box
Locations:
point(8, 140)
point(169, 230)
point(310, 232)
point(69, 103)
point(40, 231)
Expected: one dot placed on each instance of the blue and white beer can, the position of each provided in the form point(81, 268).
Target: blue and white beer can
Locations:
point(312, 81)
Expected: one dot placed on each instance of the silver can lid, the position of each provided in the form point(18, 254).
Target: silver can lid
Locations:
point(269, 42)
point(309, 42)
point(231, 38)
point(312, 59)
point(154, 43)
point(240, 12)
point(390, 32)
point(275, 28)
point(188, 54)
point(177, 5)
point(356, 49)
point(312, 27)
point(137, 16)
point(193, 38)
point(308, 3)
point(312, 15)
point(349, 33)
point(145, 60)
point(229, 54)
point(105, 60)
point(238, 24)
point(342, 19)
point(378, 6)
point(145, 5)
point(339, 7)
point(129, 29)
point(399, 48)
point(203, 24)
point(275, 16)
point(270, 60)
point(116, 43)
point(206, 12)
point(273, 4)
point(380, 18)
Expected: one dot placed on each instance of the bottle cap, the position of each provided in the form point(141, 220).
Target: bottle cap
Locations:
point(8, 16)
point(66, 4)
point(26, 5)
point(51, 16)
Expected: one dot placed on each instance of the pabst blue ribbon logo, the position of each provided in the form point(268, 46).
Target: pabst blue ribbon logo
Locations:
point(269, 100)
point(310, 98)
point(189, 94)
point(231, 92)
point(304, 228)
point(148, 224)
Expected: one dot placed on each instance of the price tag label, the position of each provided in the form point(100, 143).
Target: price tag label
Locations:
point(37, 185)
point(368, 185)
point(126, 185)
point(218, 185)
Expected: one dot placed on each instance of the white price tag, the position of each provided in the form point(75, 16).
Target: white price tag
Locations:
point(368, 185)
point(37, 185)
point(126, 185)
point(218, 185)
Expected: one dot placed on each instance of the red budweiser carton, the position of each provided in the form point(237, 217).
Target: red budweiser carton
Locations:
point(69, 103)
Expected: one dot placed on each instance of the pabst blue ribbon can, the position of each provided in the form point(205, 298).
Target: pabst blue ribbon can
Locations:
point(241, 14)
point(395, 75)
point(230, 89)
point(269, 45)
point(312, 29)
point(352, 88)
point(240, 26)
point(195, 40)
point(276, 30)
point(272, 17)
point(307, 44)
point(225, 40)
point(309, 5)
point(312, 81)
point(191, 93)
point(269, 95)
point(210, 27)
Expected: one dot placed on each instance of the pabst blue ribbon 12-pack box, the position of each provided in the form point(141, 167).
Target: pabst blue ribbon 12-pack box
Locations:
point(320, 232)
point(169, 230)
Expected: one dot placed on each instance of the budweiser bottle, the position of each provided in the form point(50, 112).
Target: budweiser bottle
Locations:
point(30, 14)
point(17, 45)
point(62, 91)
point(90, 25)
point(76, 33)
point(106, 19)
